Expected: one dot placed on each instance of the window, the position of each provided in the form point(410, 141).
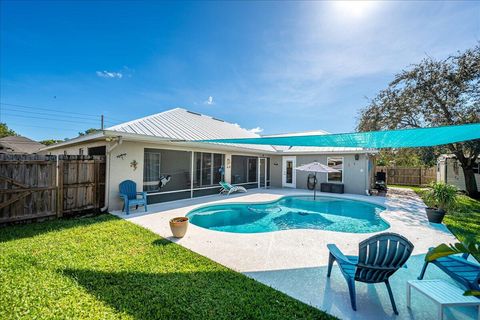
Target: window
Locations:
point(244, 169)
point(206, 169)
point(218, 168)
point(476, 167)
point(97, 151)
point(80, 151)
point(252, 169)
point(151, 170)
point(209, 169)
point(166, 170)
point(336, 163)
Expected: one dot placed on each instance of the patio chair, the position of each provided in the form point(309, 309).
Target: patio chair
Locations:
point(130, 196)
point(227, 188)
point(379, 257)
point(465, 272)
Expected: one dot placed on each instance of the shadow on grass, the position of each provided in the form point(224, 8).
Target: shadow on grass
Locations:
point(192, 295)
point(162, 242)
point(16, 232)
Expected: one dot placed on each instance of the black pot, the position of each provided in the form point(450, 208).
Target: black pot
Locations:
point(435, 215)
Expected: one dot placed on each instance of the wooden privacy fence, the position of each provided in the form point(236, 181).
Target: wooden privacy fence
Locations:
point(409, 176)
point(33, 186)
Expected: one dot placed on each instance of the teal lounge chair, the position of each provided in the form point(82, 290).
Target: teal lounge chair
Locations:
point(227, 188)
point(378, 258)
point(130, 196)
point(465, 272)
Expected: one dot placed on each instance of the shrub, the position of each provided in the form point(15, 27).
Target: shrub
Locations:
point(442, 196)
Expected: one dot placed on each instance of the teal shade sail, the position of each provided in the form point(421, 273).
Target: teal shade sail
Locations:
point(405, 138)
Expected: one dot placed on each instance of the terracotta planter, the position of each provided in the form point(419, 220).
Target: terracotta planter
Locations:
point(179, 226)
point(435, 215)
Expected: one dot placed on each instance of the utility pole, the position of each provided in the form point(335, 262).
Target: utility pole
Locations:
point(102, 126)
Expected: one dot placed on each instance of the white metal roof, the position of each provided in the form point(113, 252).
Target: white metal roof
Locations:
point(181, 124)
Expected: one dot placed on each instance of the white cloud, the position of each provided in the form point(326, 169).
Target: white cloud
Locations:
point(209, 101)
point(109, 74)
point(256, 130)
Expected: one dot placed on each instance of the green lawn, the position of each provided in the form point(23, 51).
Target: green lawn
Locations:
point(106, 268)
point(464, 220)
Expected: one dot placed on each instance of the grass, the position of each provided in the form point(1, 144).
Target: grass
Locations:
point(107, 268)
point(464, 220)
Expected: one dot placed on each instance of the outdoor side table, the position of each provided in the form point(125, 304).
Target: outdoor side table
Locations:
point(442, 293)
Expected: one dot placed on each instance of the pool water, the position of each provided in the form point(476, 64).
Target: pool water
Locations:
point(297, 212)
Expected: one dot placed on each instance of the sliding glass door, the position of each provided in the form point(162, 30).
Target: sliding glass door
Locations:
point(262, 172)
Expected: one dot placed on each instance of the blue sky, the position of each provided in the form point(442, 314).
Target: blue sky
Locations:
point(276, 66)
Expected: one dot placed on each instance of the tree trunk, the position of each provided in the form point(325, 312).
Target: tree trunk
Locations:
point(470, 183)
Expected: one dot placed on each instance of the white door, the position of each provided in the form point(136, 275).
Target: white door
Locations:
point(289, 174)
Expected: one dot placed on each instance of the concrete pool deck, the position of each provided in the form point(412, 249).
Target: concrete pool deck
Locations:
point(295, 261)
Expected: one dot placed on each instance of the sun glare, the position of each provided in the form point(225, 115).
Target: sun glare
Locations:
point(354, 9)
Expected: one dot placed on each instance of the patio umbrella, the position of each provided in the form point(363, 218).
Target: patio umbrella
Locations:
point(316, 167)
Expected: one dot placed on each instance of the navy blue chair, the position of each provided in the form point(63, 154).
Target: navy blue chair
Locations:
point(378, 258)
point(130, 196)
point(459, 269)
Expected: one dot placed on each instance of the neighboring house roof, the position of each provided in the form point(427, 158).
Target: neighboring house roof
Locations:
point(19, 145)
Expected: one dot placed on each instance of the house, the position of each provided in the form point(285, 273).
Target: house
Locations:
point(449, 170)
point(160, 154)
point(19, 145)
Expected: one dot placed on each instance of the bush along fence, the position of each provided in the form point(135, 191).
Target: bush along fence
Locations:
point(409, 176)
point(36, 187)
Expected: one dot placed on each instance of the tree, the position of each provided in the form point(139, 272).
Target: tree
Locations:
point(429, 94)
point(49, 142)
point(88, 131)
point(5, 131)
point(409, 157)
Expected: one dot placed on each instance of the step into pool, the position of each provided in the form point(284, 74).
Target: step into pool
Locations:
point(292, 212)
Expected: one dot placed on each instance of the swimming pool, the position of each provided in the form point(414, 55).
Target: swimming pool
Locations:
point(293, 212)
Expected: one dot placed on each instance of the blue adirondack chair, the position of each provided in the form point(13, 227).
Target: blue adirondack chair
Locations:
point(130, 196)
point(458, 268)
point(378, 258)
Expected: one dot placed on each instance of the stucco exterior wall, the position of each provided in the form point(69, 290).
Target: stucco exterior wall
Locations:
point(120, 158)
point(120, 168)
point(450, 171)
point(355, 172)
point(75, 150)
point(276, 171)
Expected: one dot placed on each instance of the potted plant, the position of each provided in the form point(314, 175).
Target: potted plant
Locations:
point(179, 226)
point(440, 198)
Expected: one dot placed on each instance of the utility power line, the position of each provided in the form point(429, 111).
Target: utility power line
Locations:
point(51, 119)
point(49, 109)
point(48, 114)
point(42, 127)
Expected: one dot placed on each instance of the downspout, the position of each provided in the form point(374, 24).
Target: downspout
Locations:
point(108, 151)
